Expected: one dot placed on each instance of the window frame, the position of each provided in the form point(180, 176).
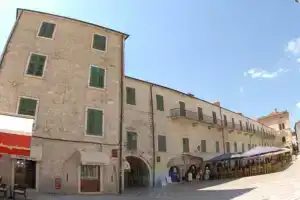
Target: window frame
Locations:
point(92, 44)
point(86, 118)
point(27, 65)
point(188, 140)
point(36, 108)
point(127, 146)
point(203, 150)
point(217, 145)
point(126, 96)
point(163, 103)
point(54, 31)
point(105, 74)
point(158, 149)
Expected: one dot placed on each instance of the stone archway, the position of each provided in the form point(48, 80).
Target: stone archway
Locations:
point(139, 174)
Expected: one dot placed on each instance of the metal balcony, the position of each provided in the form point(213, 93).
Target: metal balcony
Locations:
point(177, 113)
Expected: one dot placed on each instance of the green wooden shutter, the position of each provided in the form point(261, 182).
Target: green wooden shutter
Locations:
point(36, 65)
point(186, 145)
point(130, 96)
point(97, 77)
point(203, 145)
point(99, 42)
point(217, 146)
point(95, 122)
point(47, 30)
point(162, 147)
point(27, 106)
point(160, 102)
point(131, 141)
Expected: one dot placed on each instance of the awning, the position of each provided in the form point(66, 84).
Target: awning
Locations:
point(260, 151)
point(225, 156)
point(94, 158)
point(185, 159)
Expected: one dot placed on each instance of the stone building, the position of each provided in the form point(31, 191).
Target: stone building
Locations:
point(68, 75)
point(279, 121)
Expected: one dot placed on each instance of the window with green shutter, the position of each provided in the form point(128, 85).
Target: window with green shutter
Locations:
point(200, 114)
point(203, 145)
point(47, 30)
point(217, 146)
point(94, 122)
point(249, 146)
point(235, 147)
point(243, 147)
point(36, 65)
point(186, 145)
point(130, 96)
point(214, 114)
point(97, 77)
point(162, 143)
point(131, 141)
point(160, 102)
point(99, 42)
point(227, 147)
point(27, 106)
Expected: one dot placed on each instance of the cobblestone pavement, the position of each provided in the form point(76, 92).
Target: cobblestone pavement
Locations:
point(283, 185)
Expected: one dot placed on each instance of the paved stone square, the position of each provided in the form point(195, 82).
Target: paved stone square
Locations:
point(283, 185)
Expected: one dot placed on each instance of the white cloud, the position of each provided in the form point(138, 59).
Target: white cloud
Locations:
point(293, 46)
point(298, 60)
point(260, 73)
point(298, 105)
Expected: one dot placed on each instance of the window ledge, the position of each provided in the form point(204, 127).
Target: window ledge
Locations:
point(32, 76)
point(101, 51)
point(94, 136)
point(96, 88)
point(42, 37)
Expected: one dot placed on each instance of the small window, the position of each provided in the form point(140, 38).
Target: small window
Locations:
point(99, 42)
point(130, 96)
point(160, 102)
point(94, 122)
point(241, 125)
point(233, 123)
point(243, 147)
point(228, 147)
point(235, 147)
point(186, 145)
point(249, 146)
point(90, 172)
point(280, 128)
point(203, 145)
point(131, 141)
point(200, 114)
point(46, 30)
point(217, 146)
point(27, 106)
point(214, 117)
point(162, 143)
point(97, 77)
point(225, 120)
point(283, 126)
point(36, 65)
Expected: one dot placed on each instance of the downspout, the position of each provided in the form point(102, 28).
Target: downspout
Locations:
point(223, 135)
point(153, 136)
point(121, 120)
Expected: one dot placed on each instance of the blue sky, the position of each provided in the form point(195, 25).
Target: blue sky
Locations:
point(245, 54)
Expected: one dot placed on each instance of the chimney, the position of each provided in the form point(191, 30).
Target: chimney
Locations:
point(275, 110)
point(217, 103)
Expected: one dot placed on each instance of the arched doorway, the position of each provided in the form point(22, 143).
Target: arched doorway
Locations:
point(174, 173)
point(138, 175)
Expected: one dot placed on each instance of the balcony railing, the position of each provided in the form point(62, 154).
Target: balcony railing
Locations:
point(177, 112)
point(193, 115)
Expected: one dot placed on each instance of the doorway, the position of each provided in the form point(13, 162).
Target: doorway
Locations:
point(25, 173)
point(138, 175)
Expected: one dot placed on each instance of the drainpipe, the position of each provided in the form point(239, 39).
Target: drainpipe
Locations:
point(153, 136)
point(121, 120)
point(223, 135)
